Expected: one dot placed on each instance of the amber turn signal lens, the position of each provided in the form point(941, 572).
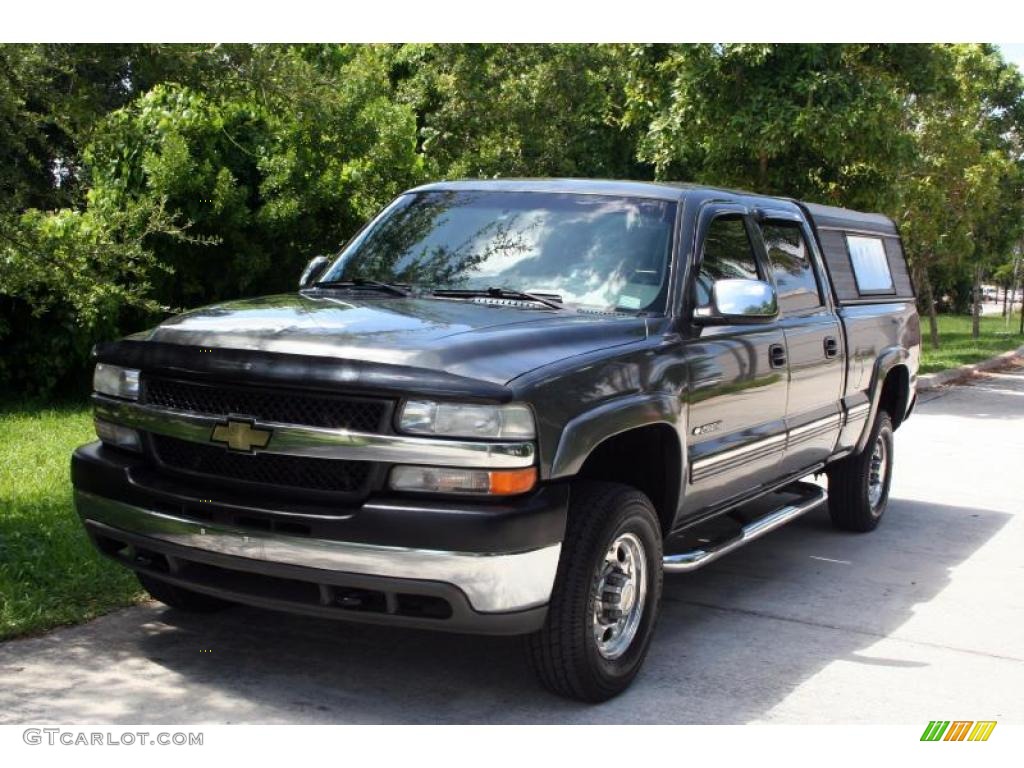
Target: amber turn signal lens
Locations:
point(478, 482)
point(507, 482)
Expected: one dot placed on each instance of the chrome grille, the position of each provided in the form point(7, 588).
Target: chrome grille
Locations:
point(283, 406)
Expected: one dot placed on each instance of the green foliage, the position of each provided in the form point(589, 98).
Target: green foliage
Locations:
point(67, 279)
point(962, 202)
point(199, 195)
point(820, 122)
point(142, 179)
point(520, 110)
point(200, 156)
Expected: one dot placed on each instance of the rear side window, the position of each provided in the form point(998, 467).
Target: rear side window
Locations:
point(870, 266)
point(728, 254)
point(791, 266)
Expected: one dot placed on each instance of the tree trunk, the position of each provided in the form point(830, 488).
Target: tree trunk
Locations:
point(1006, 296)
point(922, 279)
point(1014, 287)
point(976, 311)
point(1018, 283)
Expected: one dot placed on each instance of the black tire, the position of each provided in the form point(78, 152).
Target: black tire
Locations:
point(565, 653)
point(850, 482)
point(181, 598)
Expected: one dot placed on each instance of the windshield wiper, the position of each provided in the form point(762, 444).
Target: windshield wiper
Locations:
point(362, 282)
point(552, 300)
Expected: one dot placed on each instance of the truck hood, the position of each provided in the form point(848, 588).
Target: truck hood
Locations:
point(477, 340)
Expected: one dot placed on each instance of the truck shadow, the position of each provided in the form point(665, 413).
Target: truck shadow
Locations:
point(734, 639)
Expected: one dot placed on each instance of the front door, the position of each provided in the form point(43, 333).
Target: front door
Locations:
point(739, 373)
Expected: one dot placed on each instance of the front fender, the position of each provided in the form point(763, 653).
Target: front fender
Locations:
point(588, 430)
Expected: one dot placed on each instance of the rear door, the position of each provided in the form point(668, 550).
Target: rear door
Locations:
point(738, 372)
point(813, 338)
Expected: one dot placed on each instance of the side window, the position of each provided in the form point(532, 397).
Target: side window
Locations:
point(870, 266)
point(791, 266)
point(727, 254)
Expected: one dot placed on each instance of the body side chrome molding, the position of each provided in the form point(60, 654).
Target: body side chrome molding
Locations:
point(818, 425)
point(857, 412)
point(701, 466)
point(493, 583)
point(322, 443)
point(701, 472)
point(759, 449)
point(814, 429)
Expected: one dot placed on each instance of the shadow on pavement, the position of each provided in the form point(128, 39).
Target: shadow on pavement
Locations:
point(733, 641)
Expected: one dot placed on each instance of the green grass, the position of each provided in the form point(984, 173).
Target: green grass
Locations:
point(49, 572)
point(956, 347)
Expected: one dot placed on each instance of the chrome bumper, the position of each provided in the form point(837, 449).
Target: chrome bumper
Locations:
point(493, 583)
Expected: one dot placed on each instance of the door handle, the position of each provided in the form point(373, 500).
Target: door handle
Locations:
point(831, 346)
point(777, 355)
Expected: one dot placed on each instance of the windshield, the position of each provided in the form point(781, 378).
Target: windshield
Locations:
point(598, 251)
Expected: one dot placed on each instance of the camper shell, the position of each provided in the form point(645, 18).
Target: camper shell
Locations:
point(834, 228)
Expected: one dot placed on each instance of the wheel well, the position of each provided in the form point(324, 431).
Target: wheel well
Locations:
point(646, 458)
point(895, 391)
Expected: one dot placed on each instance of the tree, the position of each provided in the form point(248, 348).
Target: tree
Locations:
point(995, 96)
point(196, 195)
point(935, 195)
point(819, 122)
point(519, 110)
point(961, 197)
point(144, 178)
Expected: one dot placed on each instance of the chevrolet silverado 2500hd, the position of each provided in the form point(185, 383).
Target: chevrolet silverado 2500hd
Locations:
point(509, 407)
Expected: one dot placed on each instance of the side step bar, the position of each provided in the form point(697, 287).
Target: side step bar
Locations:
point(693, 559)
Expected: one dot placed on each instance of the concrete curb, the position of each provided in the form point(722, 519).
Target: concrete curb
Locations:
point(953, 375)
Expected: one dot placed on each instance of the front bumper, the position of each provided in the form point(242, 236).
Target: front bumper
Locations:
point(480, 570)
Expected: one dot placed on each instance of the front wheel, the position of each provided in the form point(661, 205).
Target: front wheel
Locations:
point(606, 596)
point(858, 486)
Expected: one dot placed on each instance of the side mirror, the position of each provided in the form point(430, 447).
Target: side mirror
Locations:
point(739, 302)
point(313, 270)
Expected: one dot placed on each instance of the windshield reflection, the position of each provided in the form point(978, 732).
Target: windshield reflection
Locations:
point(609, 253)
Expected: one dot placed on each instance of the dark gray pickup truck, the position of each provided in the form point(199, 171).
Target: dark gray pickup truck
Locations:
point(509, 407)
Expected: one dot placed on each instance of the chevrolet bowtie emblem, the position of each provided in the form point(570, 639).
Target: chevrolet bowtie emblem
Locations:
point(241, 435)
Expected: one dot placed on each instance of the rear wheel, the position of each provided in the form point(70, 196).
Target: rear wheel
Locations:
point(606, 596)
point(858, 486)
point(180, 598)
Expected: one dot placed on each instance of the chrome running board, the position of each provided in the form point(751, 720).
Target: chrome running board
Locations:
point(696, 558)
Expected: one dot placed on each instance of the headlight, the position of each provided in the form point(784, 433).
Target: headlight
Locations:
point(498, 422)
point(116, 381)
point(504, 482)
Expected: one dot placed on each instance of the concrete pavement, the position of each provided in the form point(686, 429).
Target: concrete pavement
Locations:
point(922, 619)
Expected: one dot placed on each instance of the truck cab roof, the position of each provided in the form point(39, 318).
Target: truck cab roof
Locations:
point(657, 190)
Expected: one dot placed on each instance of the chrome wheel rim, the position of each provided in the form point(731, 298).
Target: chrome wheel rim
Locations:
point(877, 468)
point(620, 591)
